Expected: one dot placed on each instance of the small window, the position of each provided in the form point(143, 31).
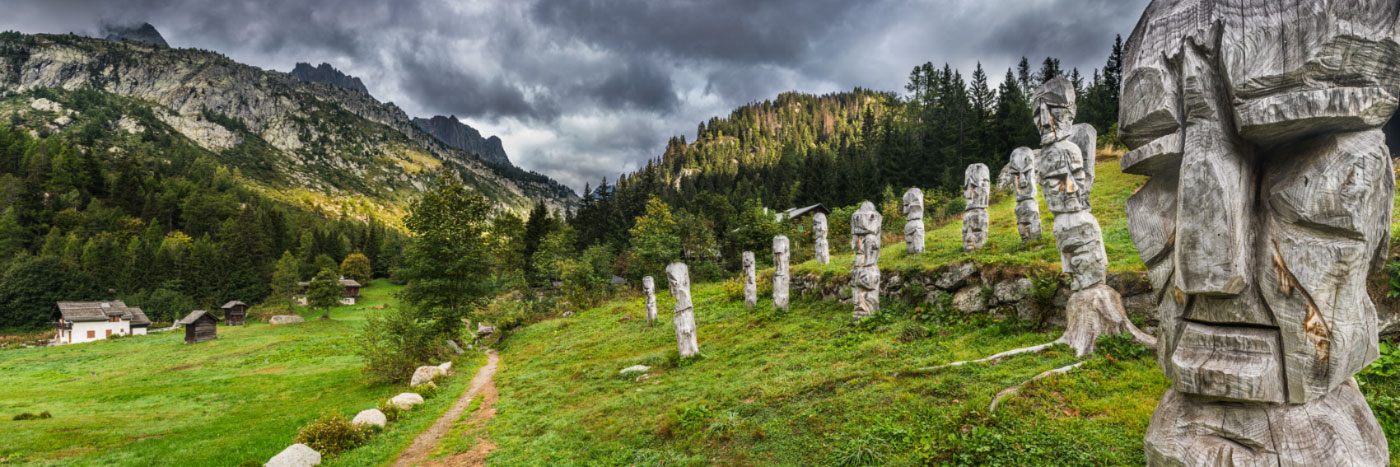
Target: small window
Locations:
point(92, 334)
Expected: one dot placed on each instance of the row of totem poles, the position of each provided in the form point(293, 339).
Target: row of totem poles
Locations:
point(1269, 201)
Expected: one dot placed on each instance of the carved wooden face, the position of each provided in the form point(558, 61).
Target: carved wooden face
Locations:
point(1060, 169)
point(977, 185)
point(866, 220)
point(678, 275)
point(1053, 107)
point(914, 204)
point(1258, 226)
point(1022, 167)
point(748, 260)
point(819, 228)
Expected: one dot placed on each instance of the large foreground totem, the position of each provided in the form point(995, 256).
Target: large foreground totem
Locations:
point(865, 269)
point(819, 244)
point(914, 226)
point(1023, 183)
point(781, 273)
point(1268, 204)
point(977, 188)
point(1094, 309)
point(678, 275)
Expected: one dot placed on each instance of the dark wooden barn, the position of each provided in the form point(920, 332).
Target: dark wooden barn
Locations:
point(235, 313)
point(200, 326)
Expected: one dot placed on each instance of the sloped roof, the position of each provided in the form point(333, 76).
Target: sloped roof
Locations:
point(93, 311)
point(233, 303)
point(195, 316)
point(795, 213)
point(136, 316)
point(343, 283)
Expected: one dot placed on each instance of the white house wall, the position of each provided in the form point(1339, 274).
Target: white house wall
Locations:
point(99, 331)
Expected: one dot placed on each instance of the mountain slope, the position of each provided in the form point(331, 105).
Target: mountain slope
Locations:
point(143, 32)
point(320, 137)
point(462, 136)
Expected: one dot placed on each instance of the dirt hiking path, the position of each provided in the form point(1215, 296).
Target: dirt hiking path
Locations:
point(484, 384)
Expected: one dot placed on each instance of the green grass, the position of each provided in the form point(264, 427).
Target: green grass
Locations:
point(808, 388)
point(805, 388)
point(154, 399)
point(943, 242)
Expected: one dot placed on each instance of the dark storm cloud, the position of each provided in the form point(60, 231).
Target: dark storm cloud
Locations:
point(586, 89)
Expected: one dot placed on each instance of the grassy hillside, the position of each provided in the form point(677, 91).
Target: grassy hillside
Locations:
point(154, 399)
point(943, 242)
point(807, 388)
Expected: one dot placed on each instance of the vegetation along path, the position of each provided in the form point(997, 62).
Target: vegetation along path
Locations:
point(483, 383)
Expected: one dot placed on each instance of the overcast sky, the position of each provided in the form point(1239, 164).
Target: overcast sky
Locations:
point(585, 89)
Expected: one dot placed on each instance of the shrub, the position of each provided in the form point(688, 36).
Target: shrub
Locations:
point(391, 412)
point(912, 332)
point(395, 344)
point(428, 390)
point(30, 416)
point(331, 434)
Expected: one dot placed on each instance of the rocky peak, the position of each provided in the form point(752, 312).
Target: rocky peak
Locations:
point(462, 136)
point(325, 73)
point(143, 33)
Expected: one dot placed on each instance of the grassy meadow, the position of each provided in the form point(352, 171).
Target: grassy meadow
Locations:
point(149, 400)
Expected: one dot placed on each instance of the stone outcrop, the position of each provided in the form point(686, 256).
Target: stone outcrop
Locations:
point(325, 73)
point(914, 221)
point(750, 280)
point(977, 186)
point(1024, 185)
point(678, 275)
point(865, 268)
point(1269, 202)
point(649, 289)
point(286, 319)
point(781, 274)
point(296, 455)
point(462, 136)
point(822, 249)
point(143, 33)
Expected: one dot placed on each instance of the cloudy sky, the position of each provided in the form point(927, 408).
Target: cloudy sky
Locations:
point(585, 89)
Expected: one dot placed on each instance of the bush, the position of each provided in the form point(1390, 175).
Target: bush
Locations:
point(331, 434)
point(428, 390)
point(30, 416)
point(395, 344)
point(391, 412)
point(912, 332)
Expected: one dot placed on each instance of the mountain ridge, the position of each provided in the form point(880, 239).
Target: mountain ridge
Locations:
point(325, 73)
point(314, 126)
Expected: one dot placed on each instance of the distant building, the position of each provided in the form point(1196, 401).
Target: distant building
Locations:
point(235, 313)
point(200, 326)
point(798, 213)
point(79, 322)
point(352, 291)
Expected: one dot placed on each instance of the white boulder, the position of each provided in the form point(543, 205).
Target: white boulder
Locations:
point(446, 367)
point(370, 417)
point(425, 374)
point(296, 455)
point(406, 401)
point(635, 369)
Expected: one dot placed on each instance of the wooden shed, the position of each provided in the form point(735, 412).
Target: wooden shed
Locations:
point(200, 326)
point(235, 313)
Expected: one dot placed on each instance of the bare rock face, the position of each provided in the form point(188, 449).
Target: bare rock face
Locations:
point(977, 184)
point(1023, 183)
point(819, 233)
point(678, 275)
point(914, 226)
point(782, 276)
point(1270, 196)
point(649, 288)
point(286, 319)
point(865, 269)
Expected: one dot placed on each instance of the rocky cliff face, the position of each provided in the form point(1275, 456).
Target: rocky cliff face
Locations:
point(325, 73)
point(320, 131)
point(143, 33)
point(462, 136)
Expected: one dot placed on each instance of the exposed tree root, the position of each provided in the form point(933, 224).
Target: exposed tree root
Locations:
point(1011, 391)
point(993, 359)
